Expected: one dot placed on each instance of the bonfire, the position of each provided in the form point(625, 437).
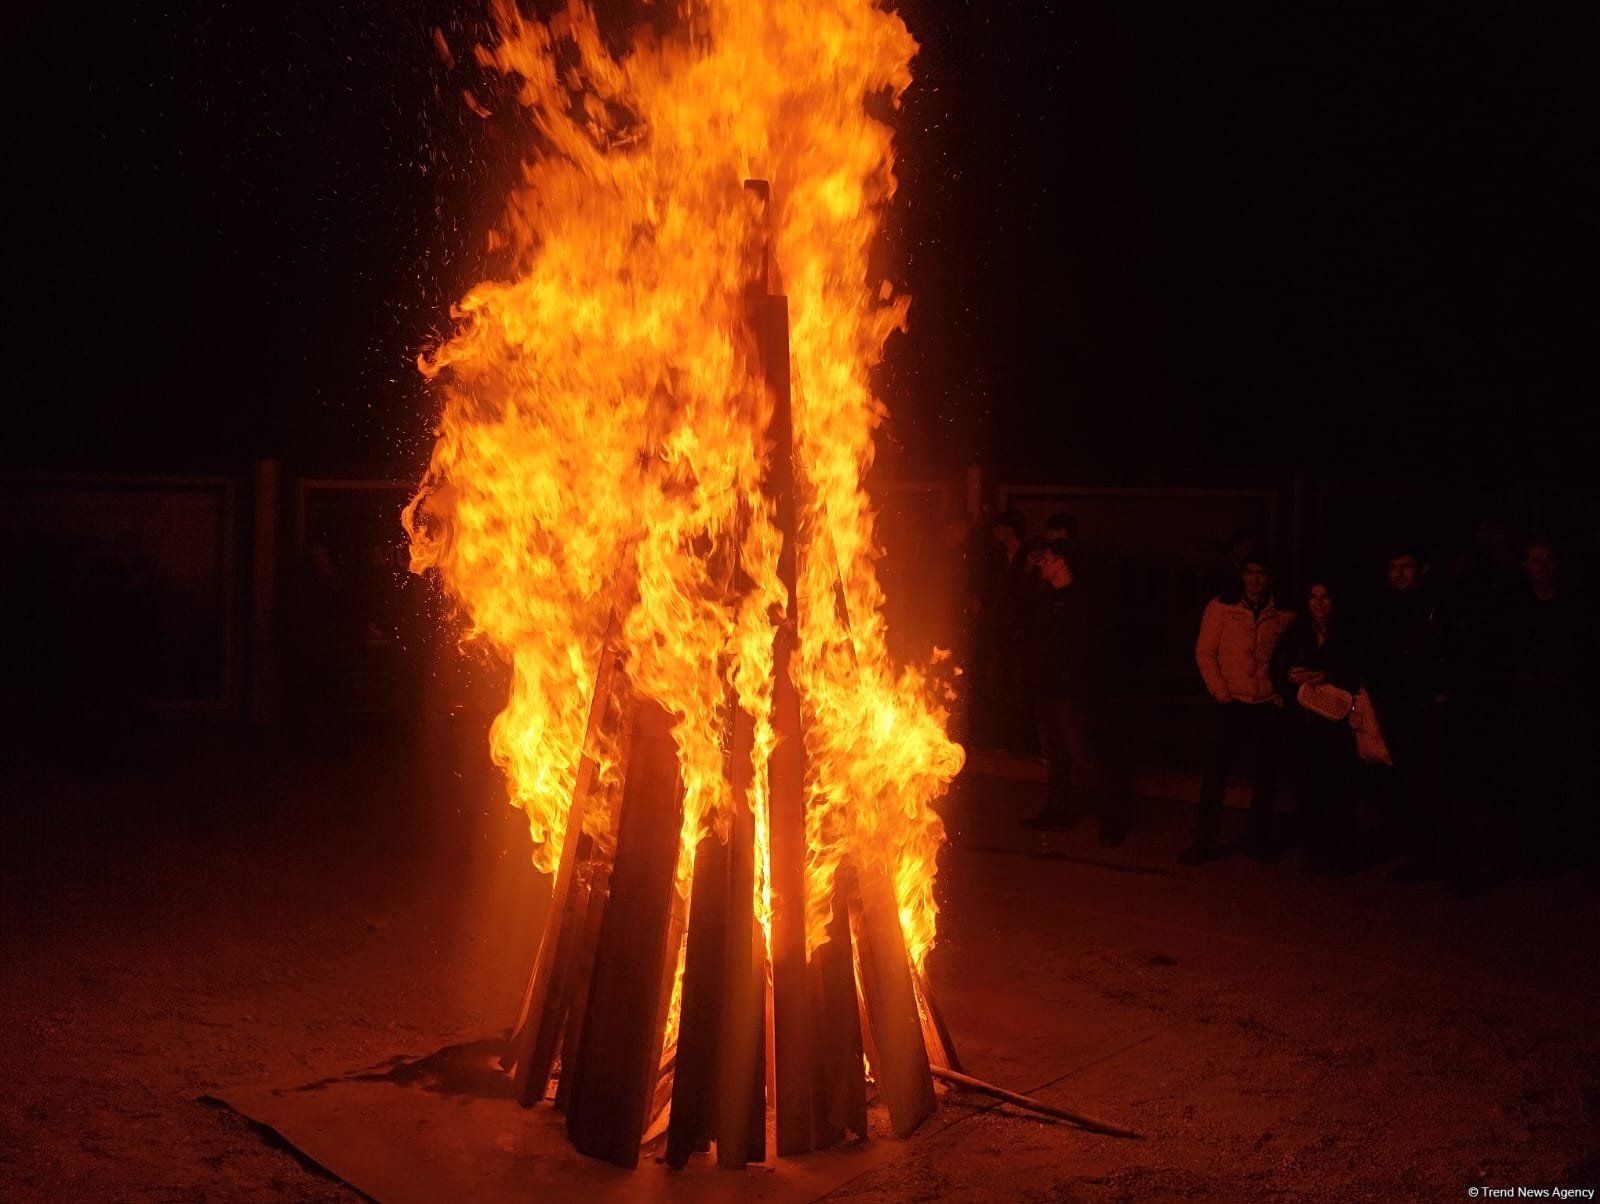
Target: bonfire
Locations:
point(647, 495)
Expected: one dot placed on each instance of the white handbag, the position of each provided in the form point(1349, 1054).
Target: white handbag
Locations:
point(1330, 702)
point(1370, 744)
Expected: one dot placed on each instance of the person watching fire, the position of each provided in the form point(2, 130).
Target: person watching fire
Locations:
point(1069, 700)
point(1238, 633)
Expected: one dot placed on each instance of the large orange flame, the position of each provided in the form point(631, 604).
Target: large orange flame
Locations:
point(603, 411)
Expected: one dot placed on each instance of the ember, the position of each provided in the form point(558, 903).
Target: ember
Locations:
point(647, 495)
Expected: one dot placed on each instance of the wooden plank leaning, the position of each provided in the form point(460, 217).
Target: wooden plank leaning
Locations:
point(904, 1078)
point(620, 1042)
point(536, 1038)
point(839, 1090)
point(739, 1113)
point(689, 1129)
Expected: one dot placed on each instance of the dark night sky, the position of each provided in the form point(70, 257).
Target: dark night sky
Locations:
point(1189, 235)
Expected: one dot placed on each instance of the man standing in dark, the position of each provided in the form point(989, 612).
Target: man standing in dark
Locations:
point(1005, 722)
point(1238, 633)
point(1065, 640)
point(1551, 657)
point(1408, 678)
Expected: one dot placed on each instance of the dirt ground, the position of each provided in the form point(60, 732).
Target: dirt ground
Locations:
point(217, 915)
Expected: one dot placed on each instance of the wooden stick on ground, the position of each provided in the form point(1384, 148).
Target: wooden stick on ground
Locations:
point(1027, 1101)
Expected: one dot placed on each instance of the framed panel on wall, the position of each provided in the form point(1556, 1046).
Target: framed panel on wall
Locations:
point(121, 584)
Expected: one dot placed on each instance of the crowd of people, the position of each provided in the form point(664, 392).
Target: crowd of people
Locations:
point(1439, 722)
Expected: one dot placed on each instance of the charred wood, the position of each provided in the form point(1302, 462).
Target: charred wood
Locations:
point(619, 1046)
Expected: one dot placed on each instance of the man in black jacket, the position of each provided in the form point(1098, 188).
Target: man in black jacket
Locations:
point(1065, 639)
point(1002, 720)
point(1408, 676)
point(1551, 657)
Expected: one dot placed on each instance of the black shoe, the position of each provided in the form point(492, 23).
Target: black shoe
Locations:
point(1051, 821)
point(1113, 837)
point(1200, 852)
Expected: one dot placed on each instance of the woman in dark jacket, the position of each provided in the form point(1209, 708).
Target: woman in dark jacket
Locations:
point(1319, 649)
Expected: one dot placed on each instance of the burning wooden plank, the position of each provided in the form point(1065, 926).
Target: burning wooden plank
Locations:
point(936, 1035)
point(791, 1003)
point(839, 1092)
point(577, 986)
point(536, 1037)
point(786, 772)
point(620, 1043)
point(658, 1090)
point(740, 1111)
point(900, 1068)
point(690, 1127)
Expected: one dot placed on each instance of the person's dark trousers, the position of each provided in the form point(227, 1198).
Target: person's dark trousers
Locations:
point(1553, 814)
point(1477, 759)
point(1415, 737)
point(1324, 757)
point(1003, 720)
point(1474, 756)
point(984, 722)
point(1060, 739)
point(1019, 734)
point(1240, 726)
point(1075, 735)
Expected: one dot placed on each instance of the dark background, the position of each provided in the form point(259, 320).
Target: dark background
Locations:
point(1178, 236)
